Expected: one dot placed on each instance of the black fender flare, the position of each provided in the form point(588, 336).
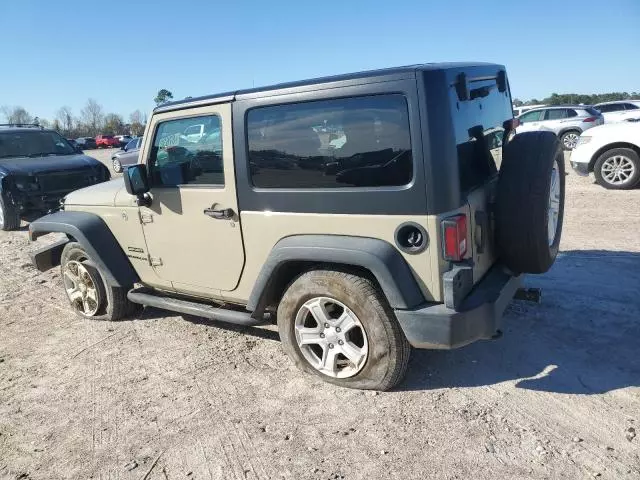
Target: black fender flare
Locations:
point(95, 237)
point(382, 259)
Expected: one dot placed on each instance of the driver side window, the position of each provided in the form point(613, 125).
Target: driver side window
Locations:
point(180, 158)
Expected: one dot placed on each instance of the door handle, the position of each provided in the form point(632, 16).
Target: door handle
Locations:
point(223, 214)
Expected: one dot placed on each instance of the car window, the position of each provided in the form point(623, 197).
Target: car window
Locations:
point(631, 106)
point(33, 143)
point(555, 114)
point(349, 142)
point(131, 145)
point(534, 116)
point(611, 107)
point(571, 113)
point(176, 159)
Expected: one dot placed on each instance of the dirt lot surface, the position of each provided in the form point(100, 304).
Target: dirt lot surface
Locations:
point(556, 397)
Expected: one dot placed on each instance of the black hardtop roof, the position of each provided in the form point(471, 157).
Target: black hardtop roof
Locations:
point(386, 74)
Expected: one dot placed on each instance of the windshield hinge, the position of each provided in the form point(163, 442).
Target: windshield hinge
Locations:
point(155, 261)
point(146, 217)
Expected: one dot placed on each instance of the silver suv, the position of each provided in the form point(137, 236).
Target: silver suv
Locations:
point(566, 121)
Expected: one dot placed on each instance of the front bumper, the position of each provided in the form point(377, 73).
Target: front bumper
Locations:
point(437, 327)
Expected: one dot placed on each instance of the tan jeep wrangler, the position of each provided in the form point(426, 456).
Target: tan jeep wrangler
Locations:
point(364, 213)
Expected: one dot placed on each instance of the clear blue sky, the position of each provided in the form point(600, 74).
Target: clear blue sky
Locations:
point(58, 53)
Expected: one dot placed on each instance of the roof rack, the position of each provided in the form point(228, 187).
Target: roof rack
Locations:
point(22, 125)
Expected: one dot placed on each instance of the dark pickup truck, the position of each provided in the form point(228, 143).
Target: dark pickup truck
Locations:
point(38, 167)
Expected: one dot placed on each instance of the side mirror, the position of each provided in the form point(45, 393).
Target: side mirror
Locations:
point(136, 180)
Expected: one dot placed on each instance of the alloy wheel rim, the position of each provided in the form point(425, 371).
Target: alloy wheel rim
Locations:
point(81, 288)
point(618, 170)
point(570, 140)
point(331, 337)
point(553, 214)
point(116, 165)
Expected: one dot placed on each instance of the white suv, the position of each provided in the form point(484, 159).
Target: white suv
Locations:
point(619, 111)
point(566, 121)
point(612, 153)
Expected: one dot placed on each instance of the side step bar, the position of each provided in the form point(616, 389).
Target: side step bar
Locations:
point(153, 299)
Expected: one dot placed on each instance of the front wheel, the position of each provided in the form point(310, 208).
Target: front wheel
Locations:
point(618, 169)
point(339, 326)
point(569, 140)
point(88, 292)
point(117, 166)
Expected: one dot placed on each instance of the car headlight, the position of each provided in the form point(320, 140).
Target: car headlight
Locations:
point(582, 140)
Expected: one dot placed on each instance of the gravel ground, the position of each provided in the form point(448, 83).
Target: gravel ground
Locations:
point(556, 397)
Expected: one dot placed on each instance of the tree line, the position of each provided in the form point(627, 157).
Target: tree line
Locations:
point(91, 121)
point(579, 98)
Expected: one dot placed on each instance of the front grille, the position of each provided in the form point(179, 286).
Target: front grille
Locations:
point(66, 181)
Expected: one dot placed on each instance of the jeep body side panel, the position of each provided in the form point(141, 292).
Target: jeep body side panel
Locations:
point(382, 259)
point(262, 232)
point(95, 237)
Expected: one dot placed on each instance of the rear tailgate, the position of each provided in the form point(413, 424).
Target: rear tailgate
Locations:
point(479, 125)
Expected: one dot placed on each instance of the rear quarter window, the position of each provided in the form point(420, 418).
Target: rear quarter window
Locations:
point(337, 143)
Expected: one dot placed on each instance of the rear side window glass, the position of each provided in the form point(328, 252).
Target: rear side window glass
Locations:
point(556, 114)
point(535, 116)
point(572, 113)
point(338, 143)
point(630, 106)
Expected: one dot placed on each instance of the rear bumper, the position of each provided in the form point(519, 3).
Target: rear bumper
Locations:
point(478, 317)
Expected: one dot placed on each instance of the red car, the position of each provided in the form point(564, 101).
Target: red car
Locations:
point(103, 141)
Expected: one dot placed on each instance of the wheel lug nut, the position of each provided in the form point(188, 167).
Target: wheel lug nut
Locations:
point(331, 345)
point(326, 325)
point(322, 335)
point(340, 342)
point(338, 329)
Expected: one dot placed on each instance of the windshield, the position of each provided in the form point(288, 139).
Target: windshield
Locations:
point(33, 143)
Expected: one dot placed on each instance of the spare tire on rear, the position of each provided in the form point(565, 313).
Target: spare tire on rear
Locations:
point(530, 202)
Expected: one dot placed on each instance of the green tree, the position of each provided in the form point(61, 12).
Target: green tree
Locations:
point(113, 124)
point(163, 96)
point(65, 120)
point(517, 102)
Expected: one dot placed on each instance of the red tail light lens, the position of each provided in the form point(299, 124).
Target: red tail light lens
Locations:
point(455, 238)
point(590, 119)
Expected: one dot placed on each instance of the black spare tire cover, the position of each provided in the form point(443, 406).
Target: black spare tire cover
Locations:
point(524, 205)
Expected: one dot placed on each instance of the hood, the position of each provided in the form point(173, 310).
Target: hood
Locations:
point(100, 194)
point(38, 165)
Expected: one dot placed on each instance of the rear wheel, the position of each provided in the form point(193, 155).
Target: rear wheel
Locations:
point(117, 166)
point(9, 216)
point(569, 140)
point(618, 169)
point(530, 202)
point(89, 293)
point(338, 326)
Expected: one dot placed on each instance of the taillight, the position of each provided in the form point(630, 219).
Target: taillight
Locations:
point(590, 119)
point(455, 238)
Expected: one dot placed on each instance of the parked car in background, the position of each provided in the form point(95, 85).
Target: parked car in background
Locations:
point(86, 143)
point(107, 141)
point(566, 121)
point(128, 155)
point(74, 144)
point(619, 111)
point(38, 167)
point(612, 153)
point(124, 139)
